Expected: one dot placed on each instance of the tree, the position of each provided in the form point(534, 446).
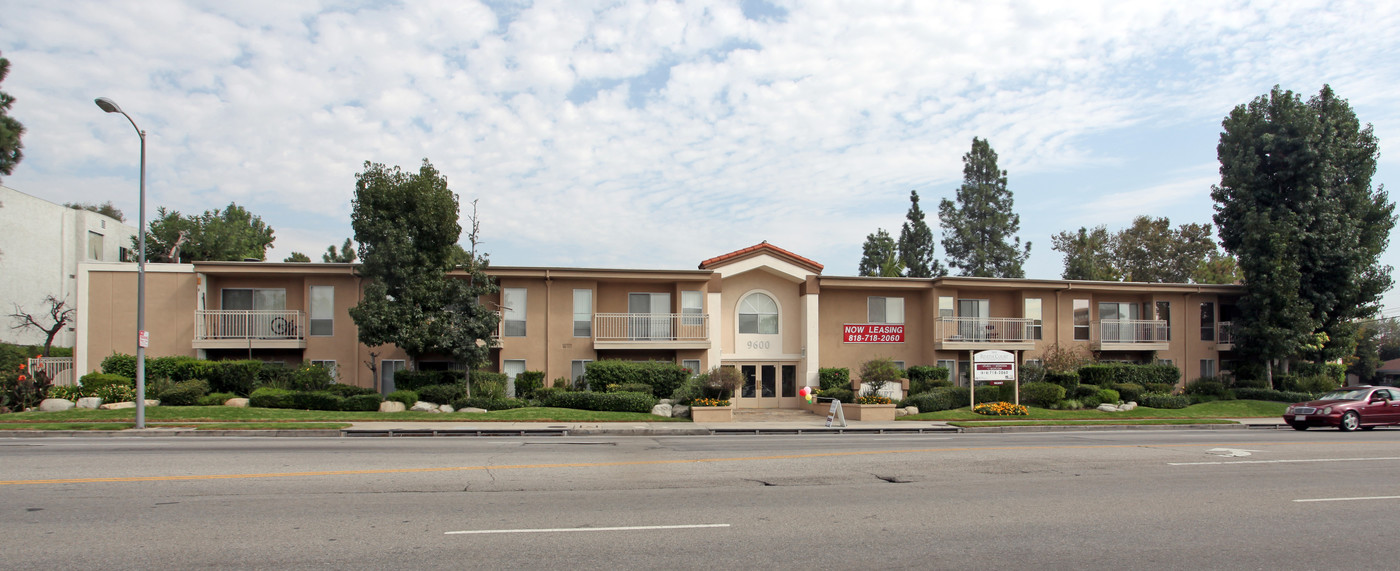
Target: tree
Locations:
point(406, 225)
point(1217, 268)
point(1295, 207)
point(880, 256)
point(473, 323)
point(59, 316)
point(1152, 251)
point(346, 255)
point(10, 128)
point(1088, 254)
point(231, 234)
point(1366, 359)
point(298, 257)
point(979, 229)
point(106, 209)
point(916, 244)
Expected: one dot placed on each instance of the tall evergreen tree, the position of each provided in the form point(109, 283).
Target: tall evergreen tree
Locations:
point(979, 229)
point(880, 257)
point(1296, 208)
point(916, 244)
point(346, 254)
point(10, 128)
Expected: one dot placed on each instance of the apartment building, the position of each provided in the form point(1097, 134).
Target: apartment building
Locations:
point(764, 310)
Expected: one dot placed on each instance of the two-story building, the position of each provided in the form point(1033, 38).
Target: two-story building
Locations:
point(766, 311)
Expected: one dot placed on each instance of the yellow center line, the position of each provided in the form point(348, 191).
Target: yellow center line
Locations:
point(604, 464)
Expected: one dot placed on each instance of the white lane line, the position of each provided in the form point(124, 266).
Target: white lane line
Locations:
point(1349, 499)
point(563, 529)
point(1278, 461)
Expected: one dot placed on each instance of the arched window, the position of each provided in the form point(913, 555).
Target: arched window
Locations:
point(758, 313)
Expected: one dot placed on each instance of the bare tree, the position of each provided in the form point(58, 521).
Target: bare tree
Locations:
point(59, 314)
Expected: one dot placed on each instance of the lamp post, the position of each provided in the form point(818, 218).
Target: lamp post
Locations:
point(142, 338)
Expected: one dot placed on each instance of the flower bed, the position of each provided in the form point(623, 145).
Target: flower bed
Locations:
point(1001, 409)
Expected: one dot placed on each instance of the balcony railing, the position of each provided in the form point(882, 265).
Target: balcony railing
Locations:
point(1225, 333)
point(658, 327)
point(58, 370)
point(989, 330)
point(1132, 332)
point(227, 324)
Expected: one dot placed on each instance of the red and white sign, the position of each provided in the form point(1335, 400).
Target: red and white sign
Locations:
point(143, 339)
point(873, 333)
point(995, 367)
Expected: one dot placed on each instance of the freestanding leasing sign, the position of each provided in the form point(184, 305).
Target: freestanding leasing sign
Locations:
point(993, 367)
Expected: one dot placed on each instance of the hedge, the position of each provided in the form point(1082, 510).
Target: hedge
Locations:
point(615, 402)
point(408, 398)
point(1130, 392)
point(93, 382)
point(361, 403)
point(1115, 373)
point(268, 397)
point(1163, 400)
point(414, 380)
point(527, 383)
point(662, 376)
point(923, 378)
point(1066, 379)
point(931, 401)
point(492, 403)
point(1043, 395)
point(1272, 395)
point(185, 393)
point(317, 400)
point(441, 394)
point(834, 378)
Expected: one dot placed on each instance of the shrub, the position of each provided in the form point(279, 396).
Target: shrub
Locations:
point(1091, 401)
point(1043, 395)
point(630, 388)
point(693, 388)
point(931, 401)
point(317, 400)
point(361, 403)
point(874, 399)
point(414, 380)
point(1335, 372)
point(488, 384)
point(216, 399)
point(441, 394)
point(1082, 391)
point(1129, 392)
point(270, 397)
point(662, 377)
point(843, 395)
point(1159, 388)
point(1164, 400)
point(492, 403)
point(350, 390)
point(834, 378)
point(1031, 373)
point(70, 392)
point(1239, 383)
point(408, 398)
point(1109, 396)
point(1068, 404)
point(238, 377)
point(1063, 359)
point(115, 393)
point(616, 402)
point(876, 374)
point(527, 383)
point(1066, 379)
point(1098, 374)
point(1272, 395)
point(1311, 384)
point(120, 364)
point(308, 377)
point(93, 382)
point(1206, 386)
point(562, 383)
point(186, 393)
point(923, 378)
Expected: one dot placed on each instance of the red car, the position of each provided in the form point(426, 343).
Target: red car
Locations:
point(1347, 408)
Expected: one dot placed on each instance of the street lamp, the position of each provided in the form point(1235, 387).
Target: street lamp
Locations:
point(142, 338)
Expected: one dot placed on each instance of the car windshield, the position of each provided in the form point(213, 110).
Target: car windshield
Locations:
point(1345, 395)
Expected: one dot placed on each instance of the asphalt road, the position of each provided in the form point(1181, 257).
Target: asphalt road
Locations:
point(1258, 499)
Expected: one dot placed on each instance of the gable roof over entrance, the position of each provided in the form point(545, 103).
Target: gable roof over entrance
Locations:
point(759, 250)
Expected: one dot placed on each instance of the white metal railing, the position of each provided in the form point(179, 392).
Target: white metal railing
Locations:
point(651, 327)
point(59, 370)
point(986, 329)
point(248, 324)
point(1132, 331)
point(1225, 333)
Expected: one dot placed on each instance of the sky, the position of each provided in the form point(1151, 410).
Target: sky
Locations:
point(636, 134)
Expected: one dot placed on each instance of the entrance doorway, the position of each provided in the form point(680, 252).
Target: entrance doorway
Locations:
point(767, 385)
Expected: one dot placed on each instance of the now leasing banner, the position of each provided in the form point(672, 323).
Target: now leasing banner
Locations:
point(873, 333)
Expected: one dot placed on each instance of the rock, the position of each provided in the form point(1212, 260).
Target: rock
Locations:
point(912, 409)
point(89, 402)
point(446, 408)
point(900, 412)
point(118, 405)
point(679, 411)
point(55, 405)
point(1108, 407)
point(422, 406)
point(662, 410)
point(237, 402)
point(471, 409)
point(391, 406)
point(667, 401)
point(1128, 406)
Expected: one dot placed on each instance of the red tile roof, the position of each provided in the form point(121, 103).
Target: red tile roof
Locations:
point(760, 248)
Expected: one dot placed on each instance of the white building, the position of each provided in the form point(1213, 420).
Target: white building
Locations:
point(41, 244)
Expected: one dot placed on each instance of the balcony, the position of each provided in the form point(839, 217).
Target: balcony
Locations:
point(1224, 336)
point(1131, 335)
point(249, 329)
point(978, 333)
point(651, 331)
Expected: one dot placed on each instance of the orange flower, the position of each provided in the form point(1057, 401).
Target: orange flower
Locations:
point(21, 377)
point(21, 366)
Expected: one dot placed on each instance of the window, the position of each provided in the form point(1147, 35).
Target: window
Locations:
point(949, 364)
point(1207, 321)
point(789, 381)
point(964, 373)
point(1164, 313)
point(650, 315)
point(758, 314)
point(884, 309)
point(1032, 312)
point(692, 306)
point(946, 307)
point(900, 364)
point(583, 313)
point(1081, 319)
point(1034, 362)
point(94, 246)
point(322, 310)
point(329, 365)
point(259, 314)
point(577, 368)
point(387, 369)
point(693, 365)
point(124, 254)
point(1115, 320)
point(513, 312)
point(1207, 367)
point(973, 323)
point(512, 367)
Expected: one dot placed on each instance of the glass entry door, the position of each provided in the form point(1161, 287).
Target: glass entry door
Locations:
point(767, 385)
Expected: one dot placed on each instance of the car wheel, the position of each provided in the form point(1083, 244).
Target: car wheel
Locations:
point(1299, 426)
point(1350, 421)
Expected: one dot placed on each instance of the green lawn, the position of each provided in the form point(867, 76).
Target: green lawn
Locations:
point(1217, 409)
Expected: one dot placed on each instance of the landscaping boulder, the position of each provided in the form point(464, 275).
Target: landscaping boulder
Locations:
point(898, 412)
point(471, 409)
point(128, 404)
point(89, 402)
point(391, 406)
point(55, 405)
point(911, 409)
point(662, 410)
point(1108, 407)
point(667, 401)
point(446, 408)
point(239, 402)
point(679, 411)
point(422, 406)
point(1127, 406)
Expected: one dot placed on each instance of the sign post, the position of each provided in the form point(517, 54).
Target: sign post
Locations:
point(994, 367)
